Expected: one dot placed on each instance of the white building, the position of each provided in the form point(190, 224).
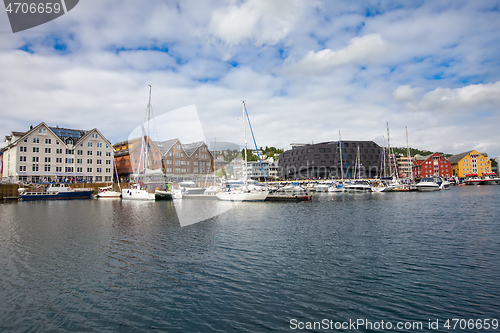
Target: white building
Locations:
point(57, 154)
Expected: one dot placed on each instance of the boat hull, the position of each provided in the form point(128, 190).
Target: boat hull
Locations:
point(136, 194)
point(242, 196)
point(57, 195)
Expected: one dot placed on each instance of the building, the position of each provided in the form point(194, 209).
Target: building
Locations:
point(322, 160)
point(431, 165)
point(405, 166)
point(470, 162)
point(128, 157)
point(57, 154)
point(186, 161)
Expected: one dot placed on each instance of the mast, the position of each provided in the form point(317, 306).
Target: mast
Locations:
point(389, 150)
point(408, 153)
point(148, 116)
point(215, 153)
point(340, 153)
point(245, 138)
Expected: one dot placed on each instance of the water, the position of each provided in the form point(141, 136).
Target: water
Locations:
point(113, 266)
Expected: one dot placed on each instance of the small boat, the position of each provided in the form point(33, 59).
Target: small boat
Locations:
point(190, 188)
point(108, 192)
point(358, 186)
point(336, 188)
point(322, 187)
point(473, 179)
point(55, 192)
point(435, 183)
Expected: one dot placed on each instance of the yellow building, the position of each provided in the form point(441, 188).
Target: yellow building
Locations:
point(470, 162)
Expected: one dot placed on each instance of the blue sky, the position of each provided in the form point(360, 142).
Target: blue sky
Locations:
point(306, 69)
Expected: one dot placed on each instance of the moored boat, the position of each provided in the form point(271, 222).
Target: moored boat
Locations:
point(435, 183)
point(55, 192)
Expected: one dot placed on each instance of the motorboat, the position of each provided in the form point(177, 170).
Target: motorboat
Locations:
point(435, 183)
point(358, 186)
point(55, 191)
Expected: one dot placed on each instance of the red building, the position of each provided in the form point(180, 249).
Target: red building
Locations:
point(431, 165)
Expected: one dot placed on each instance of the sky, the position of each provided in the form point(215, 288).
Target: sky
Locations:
point(306, 70)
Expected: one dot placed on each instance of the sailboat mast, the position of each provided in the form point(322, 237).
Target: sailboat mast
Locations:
point(340, 153)
point(245, 137)
point(408, 153)
point(389, 150)
point(148, 116)
point(215, 153)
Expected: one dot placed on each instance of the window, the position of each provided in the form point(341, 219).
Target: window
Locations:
point(89, 144)
point(25, 149)
point(108, 161)
point(35, 158)
point(79, 169)
point(99, 144)
point(22, 158)
point(70, 160)
point(36, 140)
point(89, 169)
point(98, 178)
point(35, 167)
point(59, 151)
point(169, 162)
point(99, 169)
point(98, 153)
point(108, 170)
point(58, 159)
point(36, 149)
point(89, 153)
point(108, 153)
point(195, 170)
point(316, 156)
point(47, 159)
point(58, 169)
point(47, 150)
point(183, 162)
point(22, 168)
point(79, 161)
point(177, 162)
point(46, 168)
point(69, 169)
point(79, 152)
point(70, 152)
point(48, 141)
point(310, 150)
point(99, 161)
point(89, 161)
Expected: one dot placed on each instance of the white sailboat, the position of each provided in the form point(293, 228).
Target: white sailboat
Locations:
point(244, 192)
point(147, 180)
point(108, 191)
point(358, 185)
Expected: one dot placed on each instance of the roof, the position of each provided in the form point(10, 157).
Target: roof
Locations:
point(68, 133)
point(190, 148)
point(457, 158)
point(165, 146)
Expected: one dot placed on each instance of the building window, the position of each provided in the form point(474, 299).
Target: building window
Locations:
point(89, 153)
point(89, 169)
point(98, 153)
point(58, 159)
point(79, 161)
point(108, 170)
point(47, 159)
point(89, 161)
point(69, 160)
point(22, 168)
point(35, 158)
point(89, 144)
point(48, 141)
point(99, 161)
point(36, 149)
point(79, 169)
point(70, 152)
point(22, 158)
point(99, 170)
point(47, 150)
point(59, 151)
point(35, 167)
point(99, 144)
point(25, 149)
point(36, 140)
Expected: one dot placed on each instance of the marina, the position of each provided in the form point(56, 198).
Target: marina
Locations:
point(130, 265)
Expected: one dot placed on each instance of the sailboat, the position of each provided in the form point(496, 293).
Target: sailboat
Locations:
point(244, 191)
point(149, 183)
point(358, 185)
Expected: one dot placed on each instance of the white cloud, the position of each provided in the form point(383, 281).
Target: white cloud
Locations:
point(405, 93)
point(361, 50)
point(260, 22)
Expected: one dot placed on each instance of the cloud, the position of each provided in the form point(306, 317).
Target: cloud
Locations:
point(254, 21)
point(361, 50)
point(405, 93)
point(471, 97)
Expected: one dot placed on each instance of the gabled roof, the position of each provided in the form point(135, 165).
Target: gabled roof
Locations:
point(165, 146)
point(190, 148)
point(457, 158)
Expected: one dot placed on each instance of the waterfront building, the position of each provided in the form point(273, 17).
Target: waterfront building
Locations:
point(431, 165)
point(186, 161)
point(470, 162)
point(404, 164)
point(322, 160)
point(57, 154)
point(128, 157)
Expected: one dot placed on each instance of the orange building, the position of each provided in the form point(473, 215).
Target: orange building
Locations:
point(128, 157)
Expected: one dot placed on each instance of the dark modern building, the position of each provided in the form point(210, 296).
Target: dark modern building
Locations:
point(322, 160)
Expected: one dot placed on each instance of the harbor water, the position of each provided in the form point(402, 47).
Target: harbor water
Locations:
point(123, 266)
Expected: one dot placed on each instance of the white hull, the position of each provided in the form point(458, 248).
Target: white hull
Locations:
point(109, 194)
point(358, 189)
point(136, 194)
point(243, 196)
point(428, 188)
